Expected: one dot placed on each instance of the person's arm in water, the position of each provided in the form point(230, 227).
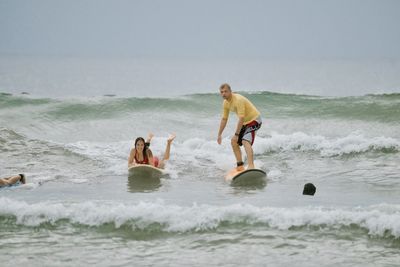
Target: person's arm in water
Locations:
point(12, 180)
point(221, 129)
point(131, 159)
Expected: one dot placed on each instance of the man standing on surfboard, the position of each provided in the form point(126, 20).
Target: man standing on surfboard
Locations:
point(249, 122)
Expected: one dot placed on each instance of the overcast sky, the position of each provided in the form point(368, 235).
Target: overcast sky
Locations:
point(279, 29)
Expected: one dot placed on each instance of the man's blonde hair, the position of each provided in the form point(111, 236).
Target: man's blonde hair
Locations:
point(225, 85)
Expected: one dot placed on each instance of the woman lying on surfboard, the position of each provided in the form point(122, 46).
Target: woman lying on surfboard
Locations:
point(141, 153)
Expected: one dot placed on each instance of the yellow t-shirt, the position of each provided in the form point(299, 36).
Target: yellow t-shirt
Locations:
point(242, 107)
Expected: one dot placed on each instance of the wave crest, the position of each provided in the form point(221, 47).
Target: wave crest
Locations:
point(348, 145)
point(379, 220)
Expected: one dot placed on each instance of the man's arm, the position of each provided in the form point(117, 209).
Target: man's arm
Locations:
point(241, 114)
point(238, 128)
point(221, 129)
point(239, 125)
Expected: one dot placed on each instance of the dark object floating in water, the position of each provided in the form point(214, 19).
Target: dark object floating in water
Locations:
point(109, 95)
point(309, 189)
point(24, 93)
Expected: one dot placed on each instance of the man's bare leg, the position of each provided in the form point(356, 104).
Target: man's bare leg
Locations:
point(238, 153)
point(249, 151)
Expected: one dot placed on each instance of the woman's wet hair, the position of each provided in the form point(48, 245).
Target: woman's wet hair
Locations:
point(145, 146)
point(139, 139)
point(22, 180)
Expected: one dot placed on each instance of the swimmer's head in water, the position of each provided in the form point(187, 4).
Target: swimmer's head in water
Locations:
point(22, 178)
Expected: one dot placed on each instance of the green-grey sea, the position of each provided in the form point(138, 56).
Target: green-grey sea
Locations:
point(79, 208)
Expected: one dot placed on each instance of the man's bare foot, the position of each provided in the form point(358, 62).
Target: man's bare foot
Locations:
point(240, 168)
point(249, 167)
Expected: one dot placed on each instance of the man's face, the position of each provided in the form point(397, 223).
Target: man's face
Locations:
point(225, 93)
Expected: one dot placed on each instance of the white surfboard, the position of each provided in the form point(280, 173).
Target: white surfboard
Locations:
point(144, 178)
point(246, 177)
point(144, 170)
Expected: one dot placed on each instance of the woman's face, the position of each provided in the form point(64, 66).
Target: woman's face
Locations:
point(140, 146)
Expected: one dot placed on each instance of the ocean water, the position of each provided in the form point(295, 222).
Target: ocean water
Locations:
point(80, 208)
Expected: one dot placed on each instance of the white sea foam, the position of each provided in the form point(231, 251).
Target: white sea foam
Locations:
point(299, 141)
point(379, 220)
point(200, 152)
